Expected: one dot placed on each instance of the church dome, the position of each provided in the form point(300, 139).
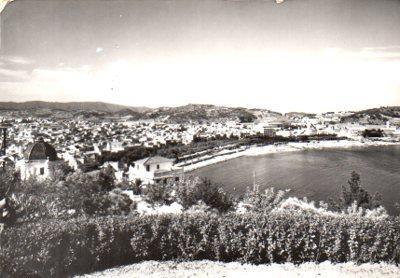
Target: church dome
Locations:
point(40, 150)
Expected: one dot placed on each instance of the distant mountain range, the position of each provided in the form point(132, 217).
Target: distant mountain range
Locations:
point(206, 112)
point(68, 106)
point(181, 114)
point(375, 115)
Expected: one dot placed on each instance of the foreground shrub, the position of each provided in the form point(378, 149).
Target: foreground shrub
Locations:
point(158, 194)
point(190, 191)
point(78, 195)
point(294, 204)
point(64, 248)
point(262, 202)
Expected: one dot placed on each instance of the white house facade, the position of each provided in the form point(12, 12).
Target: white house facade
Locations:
point(155, 169)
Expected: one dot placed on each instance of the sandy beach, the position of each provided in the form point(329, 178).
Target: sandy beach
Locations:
point(281, 148)
point(219, 269)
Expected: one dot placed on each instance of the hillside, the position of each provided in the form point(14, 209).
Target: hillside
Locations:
point(130, 113)
point(67, 106)
point(202, 112)
point(375, 115)
point(180, 114)
point(294, 115)
point(100, 110)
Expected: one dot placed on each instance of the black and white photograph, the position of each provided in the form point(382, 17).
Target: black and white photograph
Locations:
point(199, 138)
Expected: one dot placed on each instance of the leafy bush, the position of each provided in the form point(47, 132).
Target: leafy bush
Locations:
point(135, 187)
point(59, 171)
point(191, 191)
point(112, 203)
point(106, 179)
point(264, 202)
point(79, 194)
point(373, 133)
point(56, 248)
point(294, 204)
point(159, 193)
point(8, 181)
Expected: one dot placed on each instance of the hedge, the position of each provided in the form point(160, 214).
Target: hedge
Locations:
point(65, 248)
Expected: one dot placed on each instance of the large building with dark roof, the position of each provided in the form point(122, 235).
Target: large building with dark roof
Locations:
point(38, 159)
point(40, 150)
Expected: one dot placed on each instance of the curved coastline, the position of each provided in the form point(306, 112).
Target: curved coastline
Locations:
point(281, 148)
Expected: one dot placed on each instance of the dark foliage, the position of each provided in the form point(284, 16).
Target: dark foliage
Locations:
point(354, 193)
point(190, 192)
point(64, 248)
point(373, 133)
point(64, 197)
point(159, 193)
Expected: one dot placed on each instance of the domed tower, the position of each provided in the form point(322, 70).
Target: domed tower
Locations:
point(38, 159)
point(40, 150)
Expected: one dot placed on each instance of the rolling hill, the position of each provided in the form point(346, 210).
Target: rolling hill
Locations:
point(101, 110)
point(201, 113)
point(374, 116)
point(181, 114)
point(68, 106)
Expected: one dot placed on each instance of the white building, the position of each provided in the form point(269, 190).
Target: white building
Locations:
point(39, 157)
point(114, 146)
point(155, 169)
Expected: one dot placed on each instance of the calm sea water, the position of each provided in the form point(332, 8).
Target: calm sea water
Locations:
point(316, 174)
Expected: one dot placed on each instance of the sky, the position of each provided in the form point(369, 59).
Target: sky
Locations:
point(299, 55)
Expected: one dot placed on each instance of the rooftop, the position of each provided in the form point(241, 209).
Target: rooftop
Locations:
point(40, 150)
point(153, 160)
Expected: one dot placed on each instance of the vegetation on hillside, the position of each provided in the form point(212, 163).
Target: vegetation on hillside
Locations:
point(374, 116)
point(372, 133)
point(58, 248)
point(76, 223)
point(183, 114)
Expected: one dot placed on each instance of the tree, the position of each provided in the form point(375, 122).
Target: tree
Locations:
point(159, 193)
point(60, 171)
point(137, 187)
point(372, 133)
point(355, 193)
point(95, 195)
point(107, 178)
point(9, 179)
point(190, 191)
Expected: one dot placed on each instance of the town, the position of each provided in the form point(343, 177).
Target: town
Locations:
point(157, 150)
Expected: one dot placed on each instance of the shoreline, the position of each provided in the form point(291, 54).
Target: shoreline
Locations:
point(235, 269)
point(249, 151)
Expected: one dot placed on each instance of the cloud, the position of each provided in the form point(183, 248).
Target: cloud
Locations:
point(15, 69)
point(385, 52)
point(332, 79)
point(16, 60)
point(389, 53)
point(7, 75)
point(383, 48)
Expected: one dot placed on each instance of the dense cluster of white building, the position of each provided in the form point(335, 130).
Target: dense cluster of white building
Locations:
point(79, 141)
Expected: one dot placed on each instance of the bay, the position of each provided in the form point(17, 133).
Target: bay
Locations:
point(315, 174)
